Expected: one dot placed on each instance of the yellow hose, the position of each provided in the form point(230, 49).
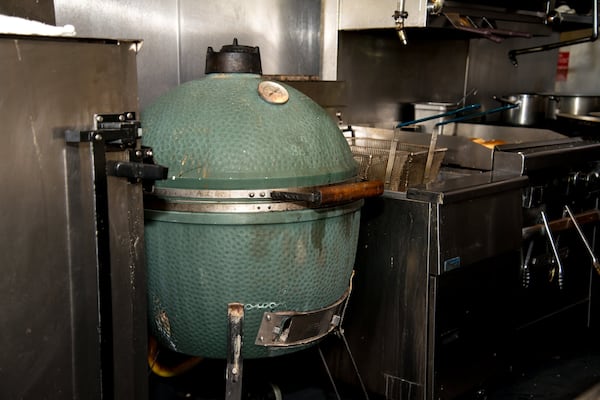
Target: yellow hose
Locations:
point(167, 371)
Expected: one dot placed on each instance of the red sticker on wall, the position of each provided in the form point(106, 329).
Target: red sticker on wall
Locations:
point(562, 66)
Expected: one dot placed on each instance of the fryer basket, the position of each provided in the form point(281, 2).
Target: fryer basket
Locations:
point(398, 165)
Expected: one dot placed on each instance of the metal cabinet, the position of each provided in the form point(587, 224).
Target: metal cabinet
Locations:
point(54, 339)
point(432, 289)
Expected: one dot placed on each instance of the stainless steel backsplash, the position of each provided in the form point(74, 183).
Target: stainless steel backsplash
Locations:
point(176, 34)
point(381, 76)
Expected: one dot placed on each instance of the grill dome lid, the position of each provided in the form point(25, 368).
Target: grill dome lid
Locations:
point(241, 131)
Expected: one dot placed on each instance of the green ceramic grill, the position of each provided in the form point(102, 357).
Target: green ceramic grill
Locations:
point(251, 213)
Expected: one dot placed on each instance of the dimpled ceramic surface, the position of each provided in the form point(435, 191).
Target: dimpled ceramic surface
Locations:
point(219, 133)
point(198, 263)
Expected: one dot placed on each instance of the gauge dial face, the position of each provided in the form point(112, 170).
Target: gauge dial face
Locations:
point(273, 92)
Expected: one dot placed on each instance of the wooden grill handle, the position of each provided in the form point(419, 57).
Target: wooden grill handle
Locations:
point(326, 195)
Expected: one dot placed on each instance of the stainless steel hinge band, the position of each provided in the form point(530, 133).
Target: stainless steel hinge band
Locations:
point(294, 328)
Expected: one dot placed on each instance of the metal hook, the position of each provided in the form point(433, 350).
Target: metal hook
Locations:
point(554, 250)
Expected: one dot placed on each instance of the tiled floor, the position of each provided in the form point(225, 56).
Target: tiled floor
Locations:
point(561, 375)
point(562, 370)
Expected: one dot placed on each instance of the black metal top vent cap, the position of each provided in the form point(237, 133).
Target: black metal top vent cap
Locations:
point(233, 58)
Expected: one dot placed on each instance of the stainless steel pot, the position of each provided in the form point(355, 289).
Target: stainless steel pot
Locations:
point(571, 104)
point(531, 109)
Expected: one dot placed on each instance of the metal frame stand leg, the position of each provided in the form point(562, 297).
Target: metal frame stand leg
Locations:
point(347, 347)
point(233, 374)
point(337, 394)
point(339, 332)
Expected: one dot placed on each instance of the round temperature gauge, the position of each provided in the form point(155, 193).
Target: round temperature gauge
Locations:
point(273, 92)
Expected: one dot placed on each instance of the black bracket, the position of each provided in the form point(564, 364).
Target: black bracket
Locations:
point(140, 168)
point(119, 132)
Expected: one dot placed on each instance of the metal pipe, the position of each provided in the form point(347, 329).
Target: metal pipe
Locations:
point(479, 114)
point(399, 16)
point(512, 54)
point(445, 114)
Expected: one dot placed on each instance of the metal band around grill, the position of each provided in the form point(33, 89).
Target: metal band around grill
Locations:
point(294, 328)
point(249, 194)
point(154, 203)
point(222, 201)
point(215, 201)
point(211, 194)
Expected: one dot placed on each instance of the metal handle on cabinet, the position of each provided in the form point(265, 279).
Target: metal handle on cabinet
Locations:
point(595, 262)
point(554, 250)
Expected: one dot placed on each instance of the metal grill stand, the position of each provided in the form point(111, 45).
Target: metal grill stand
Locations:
point(284, 329)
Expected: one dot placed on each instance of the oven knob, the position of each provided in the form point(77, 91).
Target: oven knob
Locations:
point(593, 180)
point(576, 181)
point(575, 178)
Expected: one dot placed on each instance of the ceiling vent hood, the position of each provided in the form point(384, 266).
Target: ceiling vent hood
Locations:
point(493, 19)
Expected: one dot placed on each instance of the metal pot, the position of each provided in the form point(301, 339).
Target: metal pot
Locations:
point(571, 104)
point(226, 228)
point(530, 109)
